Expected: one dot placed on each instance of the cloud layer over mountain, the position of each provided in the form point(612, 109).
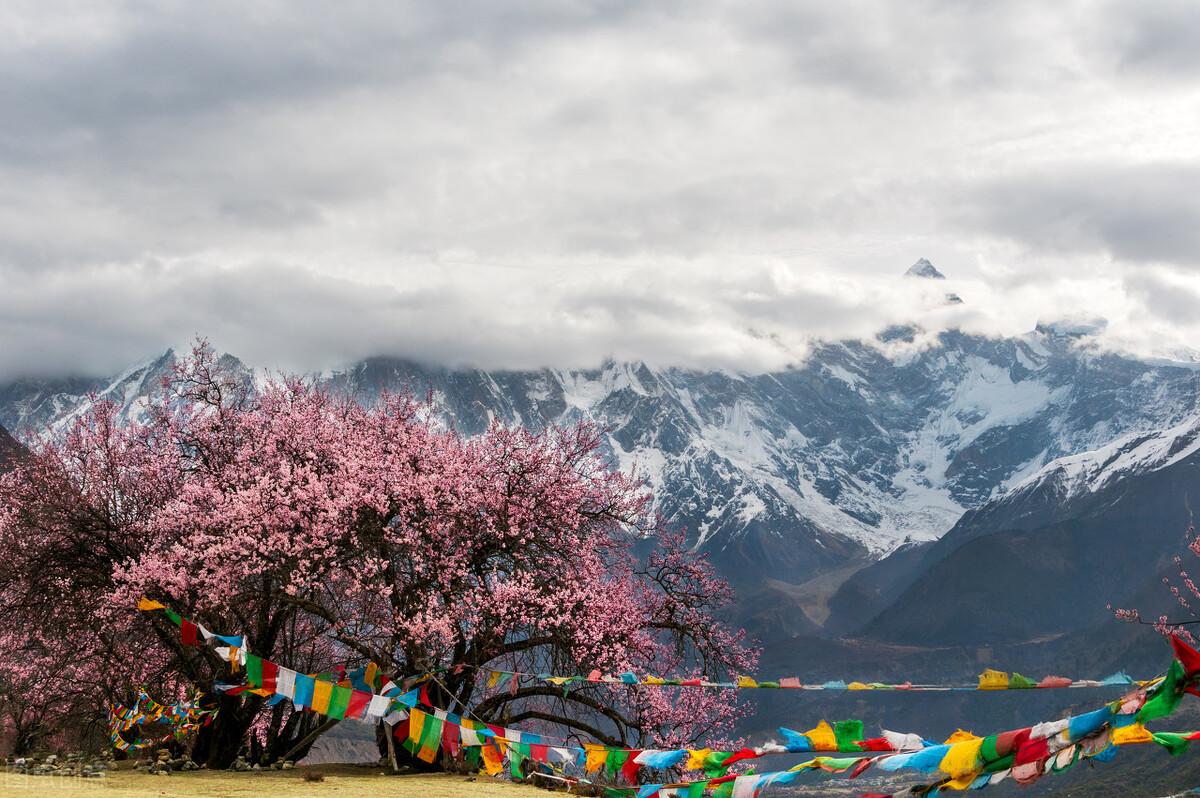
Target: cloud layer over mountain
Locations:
point(519, 184)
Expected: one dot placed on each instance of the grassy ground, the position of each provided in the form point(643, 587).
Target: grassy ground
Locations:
point(339, 782)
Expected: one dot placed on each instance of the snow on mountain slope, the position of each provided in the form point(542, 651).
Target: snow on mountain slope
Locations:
point(1130, 455)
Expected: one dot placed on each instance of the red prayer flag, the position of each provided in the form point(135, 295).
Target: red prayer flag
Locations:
point(450, 738)
point(629, 770)
point(359, 701)
point(1032, 751)
point(1188, 657)
point(423, 696)
point(738, 756)
point(539, 752)
point(269, 671)
point(189, 633)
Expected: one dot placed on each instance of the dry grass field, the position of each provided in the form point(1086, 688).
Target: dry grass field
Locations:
point(339, 782)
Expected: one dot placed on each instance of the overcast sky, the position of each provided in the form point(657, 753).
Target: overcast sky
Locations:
point(516, 184)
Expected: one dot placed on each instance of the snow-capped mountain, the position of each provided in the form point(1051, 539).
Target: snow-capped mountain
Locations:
point(862, 448)
point(923, 268)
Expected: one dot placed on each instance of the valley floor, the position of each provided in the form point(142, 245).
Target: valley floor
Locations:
point(340, 782)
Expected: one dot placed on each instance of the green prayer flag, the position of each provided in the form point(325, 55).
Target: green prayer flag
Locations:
point(339, 699)
point(614, 762)
point(714, 764)
point(997, 765)
point(1176, 744)
point(254, 676)
point(848, 733)
point(1167, 695)
point(1019, 682)
point(173, 616)
point(696, 789)
point(517, 754)
point(431, 731)
point(723, 790)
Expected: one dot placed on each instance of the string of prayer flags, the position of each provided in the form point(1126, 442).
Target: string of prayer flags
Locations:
point(963, 761)
point(336, 695)
point(988, 680)
point(183, 717)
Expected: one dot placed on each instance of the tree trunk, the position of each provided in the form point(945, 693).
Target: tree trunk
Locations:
point(219, 743)
point(27, 738)
point(284, 744)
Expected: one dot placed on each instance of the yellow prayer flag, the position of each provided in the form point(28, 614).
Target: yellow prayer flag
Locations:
point(746, 681)
point(696, 758)
point(961, 736)
point(962, 762)
point(322, 692)
point(1127, 735)
point(993, 680)
point(146, 605)
point(493, 678)
point(858, 686)
point(596, 755)
point(822, 737)
point(416, 721)
point(493, 758)
point(655, 680)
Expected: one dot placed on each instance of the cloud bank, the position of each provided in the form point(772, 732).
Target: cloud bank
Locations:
point(705, 184)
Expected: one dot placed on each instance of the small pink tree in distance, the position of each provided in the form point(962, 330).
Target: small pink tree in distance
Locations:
point(330, 532)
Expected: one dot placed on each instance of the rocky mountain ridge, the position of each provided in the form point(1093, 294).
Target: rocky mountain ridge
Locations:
point(865, 448)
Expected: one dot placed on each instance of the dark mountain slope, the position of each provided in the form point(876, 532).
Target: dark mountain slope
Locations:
point(1000, 577)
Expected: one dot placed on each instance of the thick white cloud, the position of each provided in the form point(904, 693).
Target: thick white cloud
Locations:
point(518, 184)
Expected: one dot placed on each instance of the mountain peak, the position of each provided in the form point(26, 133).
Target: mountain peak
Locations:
point(923, 268)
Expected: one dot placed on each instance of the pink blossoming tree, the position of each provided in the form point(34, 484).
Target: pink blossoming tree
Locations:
point(328, 532)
